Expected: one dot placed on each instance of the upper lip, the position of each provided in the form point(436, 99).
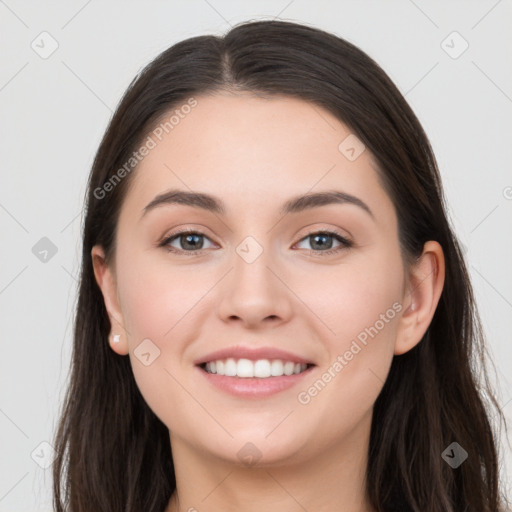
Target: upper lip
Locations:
point(241, 352)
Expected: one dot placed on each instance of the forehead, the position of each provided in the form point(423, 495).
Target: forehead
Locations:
point(252, 151)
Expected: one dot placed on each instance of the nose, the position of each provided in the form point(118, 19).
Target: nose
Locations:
point(254, 294)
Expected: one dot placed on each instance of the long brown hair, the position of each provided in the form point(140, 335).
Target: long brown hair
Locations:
point(113, 453)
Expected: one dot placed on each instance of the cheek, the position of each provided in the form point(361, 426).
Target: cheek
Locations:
point(361, 304)
point(157, 302)
point(156, 296)
point(351, 297)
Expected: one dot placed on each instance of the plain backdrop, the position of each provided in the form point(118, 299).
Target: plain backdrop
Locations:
point(64, 67)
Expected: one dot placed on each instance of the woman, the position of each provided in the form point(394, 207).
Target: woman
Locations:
point(266, 239)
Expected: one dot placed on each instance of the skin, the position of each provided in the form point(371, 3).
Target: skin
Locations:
point(312, 456)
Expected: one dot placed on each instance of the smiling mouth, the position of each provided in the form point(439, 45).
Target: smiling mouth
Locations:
point(261, 368)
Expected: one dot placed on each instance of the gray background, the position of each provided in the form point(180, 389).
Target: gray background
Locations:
point(55, 109)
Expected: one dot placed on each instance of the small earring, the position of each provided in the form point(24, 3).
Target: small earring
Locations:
point(116, 338)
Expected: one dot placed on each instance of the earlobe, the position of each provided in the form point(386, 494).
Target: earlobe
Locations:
point(425, 284)
point(106, 281)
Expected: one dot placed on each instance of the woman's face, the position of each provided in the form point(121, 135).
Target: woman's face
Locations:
point(258, 282)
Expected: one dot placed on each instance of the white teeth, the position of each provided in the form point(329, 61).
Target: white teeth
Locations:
point(230, 367)
point(245, 368)
point(288, 368)
point(262, 368)
point(276, 368)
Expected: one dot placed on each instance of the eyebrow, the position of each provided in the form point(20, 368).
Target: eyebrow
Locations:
point(294, 205)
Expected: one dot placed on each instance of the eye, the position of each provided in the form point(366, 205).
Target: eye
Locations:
point(322, 242)
point(190, 241)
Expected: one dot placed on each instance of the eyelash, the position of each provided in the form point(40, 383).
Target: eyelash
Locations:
point(345, 243)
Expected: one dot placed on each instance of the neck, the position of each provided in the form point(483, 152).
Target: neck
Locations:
point(333, 480)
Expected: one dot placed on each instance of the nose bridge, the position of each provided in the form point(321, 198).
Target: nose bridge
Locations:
point(250, 249)
point(251, 261)
point(253, 292)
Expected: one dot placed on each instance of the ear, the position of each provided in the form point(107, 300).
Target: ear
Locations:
point(424, 284)
point(106, 279)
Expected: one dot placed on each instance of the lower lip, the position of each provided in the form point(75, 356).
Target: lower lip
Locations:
point(254, 387)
